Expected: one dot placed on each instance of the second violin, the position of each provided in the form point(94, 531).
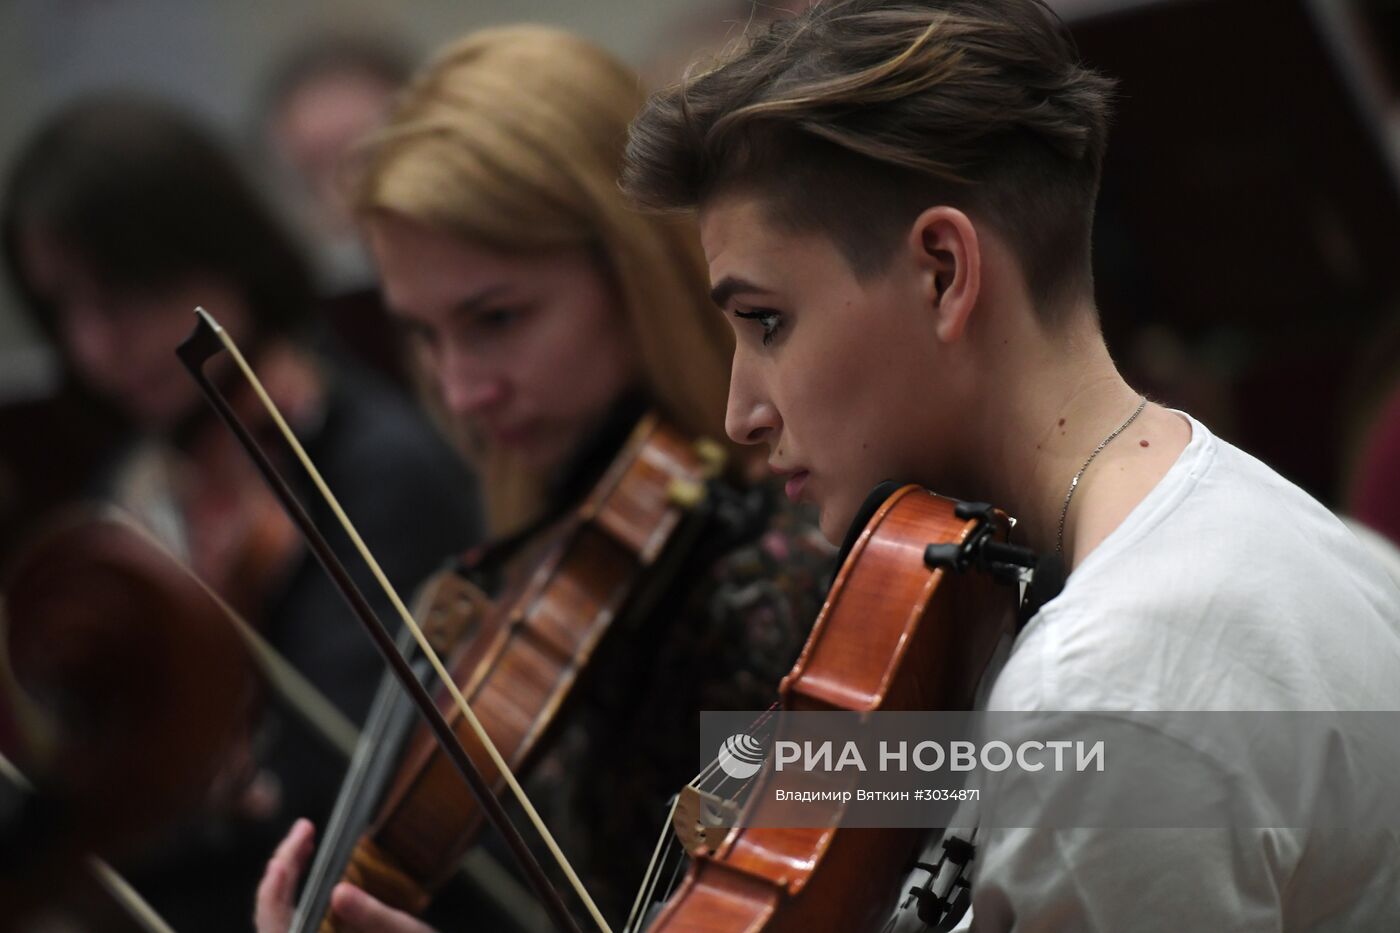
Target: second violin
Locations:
point(909, 625)
point(517, 657)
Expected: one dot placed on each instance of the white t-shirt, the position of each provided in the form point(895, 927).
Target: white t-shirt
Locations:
point(1226, 588)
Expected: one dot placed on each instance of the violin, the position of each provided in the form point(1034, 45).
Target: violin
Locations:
point(517, 657)
point(906, 626)
point(909, 624)
point(637, 521)
point(139, 683)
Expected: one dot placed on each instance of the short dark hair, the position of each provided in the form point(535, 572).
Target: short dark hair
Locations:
point(855, 116)
point(145, 196)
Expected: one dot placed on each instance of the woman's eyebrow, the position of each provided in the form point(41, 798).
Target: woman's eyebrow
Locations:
point(473, 302)
point(478, 299)
point(730, 285)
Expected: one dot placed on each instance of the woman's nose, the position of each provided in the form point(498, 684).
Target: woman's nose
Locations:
point(748, 421)
point(469, 388)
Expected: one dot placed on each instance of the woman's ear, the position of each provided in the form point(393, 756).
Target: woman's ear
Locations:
point(945, 248)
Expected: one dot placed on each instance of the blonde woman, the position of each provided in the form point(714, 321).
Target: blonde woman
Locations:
point(544, 316)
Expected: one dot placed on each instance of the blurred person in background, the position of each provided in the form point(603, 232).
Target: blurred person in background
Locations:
point(54, 433)
point(702, 31)
point(120, 216)
point(326, 94)
point(548, 317)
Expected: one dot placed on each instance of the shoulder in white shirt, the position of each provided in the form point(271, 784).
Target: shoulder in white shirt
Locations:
point(1226, 588)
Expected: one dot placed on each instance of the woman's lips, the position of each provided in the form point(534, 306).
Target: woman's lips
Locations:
point(795, 485)
point(514, 435)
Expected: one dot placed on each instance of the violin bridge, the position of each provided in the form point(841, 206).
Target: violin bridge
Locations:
point(449, 609)
point(702, 820)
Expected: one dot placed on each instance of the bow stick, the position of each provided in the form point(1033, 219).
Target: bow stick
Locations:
point(202, 345)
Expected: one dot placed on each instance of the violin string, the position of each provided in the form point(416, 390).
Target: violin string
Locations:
point(698, 782)
point(665, 845)
point(675, 878)
point(668, 838)
point(674, 852)
point(331, 853)
point(407, 618)
point(644, 891)
point(653, 881)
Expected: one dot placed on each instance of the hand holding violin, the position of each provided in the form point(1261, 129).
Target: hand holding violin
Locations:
point(354, 909)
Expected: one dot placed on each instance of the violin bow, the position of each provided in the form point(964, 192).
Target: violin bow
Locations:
point(117, 887)
point(207, 340)
point(318, 713)
point(340, 735)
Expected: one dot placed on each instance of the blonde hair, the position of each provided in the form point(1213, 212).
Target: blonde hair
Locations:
point(513, 138)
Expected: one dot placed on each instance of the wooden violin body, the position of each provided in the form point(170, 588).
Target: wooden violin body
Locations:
point(141, 679)
point(516, 659)
point(893, 635)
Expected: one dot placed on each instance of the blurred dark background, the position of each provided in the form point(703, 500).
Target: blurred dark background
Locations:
point(1249, 221)
point(1248, 229)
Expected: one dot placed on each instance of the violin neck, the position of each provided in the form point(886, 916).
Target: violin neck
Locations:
point(371, 767)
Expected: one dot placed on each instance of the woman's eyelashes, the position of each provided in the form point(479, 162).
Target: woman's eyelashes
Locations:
point(496, 318)
point(415, 333)
point(768, 319)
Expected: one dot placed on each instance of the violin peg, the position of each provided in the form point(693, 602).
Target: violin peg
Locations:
point(687, 494)
point(713, 456)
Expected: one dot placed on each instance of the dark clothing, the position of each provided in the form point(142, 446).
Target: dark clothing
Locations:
point(724, 634)
point(49, 448)
point(414, 503)
point(722, 641)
